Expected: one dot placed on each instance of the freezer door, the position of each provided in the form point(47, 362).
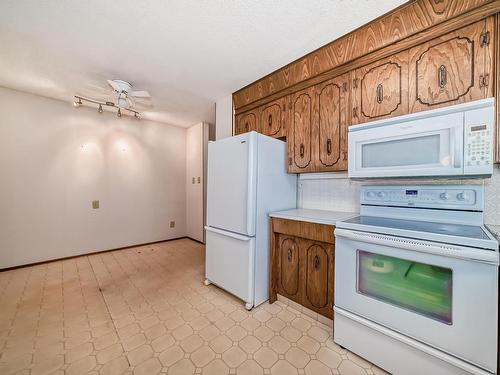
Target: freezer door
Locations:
point(231, 194)
point(230, 262)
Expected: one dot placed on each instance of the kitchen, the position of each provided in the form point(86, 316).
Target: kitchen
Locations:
point(341, 217)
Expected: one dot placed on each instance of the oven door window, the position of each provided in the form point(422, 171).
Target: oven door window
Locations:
point(418, 287)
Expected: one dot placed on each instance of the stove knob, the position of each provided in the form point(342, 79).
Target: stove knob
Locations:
point(381, 194)
point(371, 194)
point(462, 196)
point(444, 196)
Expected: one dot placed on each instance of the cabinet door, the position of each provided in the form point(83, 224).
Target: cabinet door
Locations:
point(246, 122)
point(273, 118)
point(332, 105)
point(380, 89)
point(452, 69)
point(288, 267)
point(300, 138)
point(318, 276)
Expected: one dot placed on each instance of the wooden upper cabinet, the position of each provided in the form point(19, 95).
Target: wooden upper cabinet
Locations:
point(300, 134)
point(452, 69)
point(246, 122)
point(273, 118)
point(332, 106)
point(380, 89)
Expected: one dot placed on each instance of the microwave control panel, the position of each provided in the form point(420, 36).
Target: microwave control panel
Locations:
point(478, 141)
point(478, 145)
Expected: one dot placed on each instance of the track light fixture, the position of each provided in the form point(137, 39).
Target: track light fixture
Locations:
point(79, 100)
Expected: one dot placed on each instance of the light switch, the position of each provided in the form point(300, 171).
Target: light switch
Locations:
point(95, 204)
point(172, 224)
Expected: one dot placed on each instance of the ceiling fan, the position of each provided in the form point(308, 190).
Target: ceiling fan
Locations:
point(125, 94)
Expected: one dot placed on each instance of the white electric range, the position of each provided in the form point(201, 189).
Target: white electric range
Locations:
point(416, 281)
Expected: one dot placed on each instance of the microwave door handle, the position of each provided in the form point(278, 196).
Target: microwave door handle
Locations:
point(458, 149)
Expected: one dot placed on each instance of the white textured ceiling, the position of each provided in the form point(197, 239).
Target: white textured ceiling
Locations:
point(187, 53)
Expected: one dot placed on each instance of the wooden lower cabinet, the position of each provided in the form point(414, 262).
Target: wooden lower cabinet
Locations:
point(302, 264)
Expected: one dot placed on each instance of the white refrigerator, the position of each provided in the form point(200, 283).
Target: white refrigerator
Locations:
point(247, 179)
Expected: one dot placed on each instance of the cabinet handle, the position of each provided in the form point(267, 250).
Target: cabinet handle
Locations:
point(289, 255)
point(442, 79)
point(344, 86)
point(345, 155)
point(328, 146)
point(316, 262)
point(484, 80)
point(380, 94)
point(355, 83)
point(302, 150)
point(355, 111)
point(246, 126)
point(270, 120)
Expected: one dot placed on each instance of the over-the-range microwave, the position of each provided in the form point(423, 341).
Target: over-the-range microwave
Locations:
point(451, 141)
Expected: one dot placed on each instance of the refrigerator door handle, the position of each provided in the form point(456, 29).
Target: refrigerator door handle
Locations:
point(229, 234)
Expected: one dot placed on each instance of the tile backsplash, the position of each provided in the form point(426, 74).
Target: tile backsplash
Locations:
point(332, 191)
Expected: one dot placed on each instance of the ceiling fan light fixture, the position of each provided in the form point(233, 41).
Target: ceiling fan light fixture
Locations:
point(122, 102)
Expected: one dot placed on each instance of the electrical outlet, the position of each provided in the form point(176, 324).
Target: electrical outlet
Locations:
point(199, 179)
point(172, 224)
point(193, 180)
point(95, 204)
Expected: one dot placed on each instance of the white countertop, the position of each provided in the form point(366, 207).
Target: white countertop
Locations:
point(314, 216)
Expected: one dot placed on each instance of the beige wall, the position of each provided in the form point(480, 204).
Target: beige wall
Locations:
point(55, 159)
point(224, 117)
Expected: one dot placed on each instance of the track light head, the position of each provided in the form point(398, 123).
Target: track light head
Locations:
point(119, 113)
point(136, 115)
point(100, 108)
point(77, 103)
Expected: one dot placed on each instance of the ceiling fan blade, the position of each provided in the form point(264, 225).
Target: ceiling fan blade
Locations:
point(114, 85)
point(140, 94)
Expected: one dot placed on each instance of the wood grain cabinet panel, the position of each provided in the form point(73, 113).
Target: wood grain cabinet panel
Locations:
point(273, 118)
point(302, 264)
point(246, 122)
point(300, 136)
point(380, 89)
point(288, 253)
point(332, 106)
point(318, 276)
point(451, 69)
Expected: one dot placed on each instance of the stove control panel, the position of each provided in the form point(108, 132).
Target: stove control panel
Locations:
point(467, 197)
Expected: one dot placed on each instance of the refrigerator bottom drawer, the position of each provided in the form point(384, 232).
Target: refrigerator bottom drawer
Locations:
point(230, 263)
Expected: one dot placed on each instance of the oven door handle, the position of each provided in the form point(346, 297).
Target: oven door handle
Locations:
point(428, 247)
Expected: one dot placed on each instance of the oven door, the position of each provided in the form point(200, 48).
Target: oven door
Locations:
point(422, 147)
point(438, 295)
